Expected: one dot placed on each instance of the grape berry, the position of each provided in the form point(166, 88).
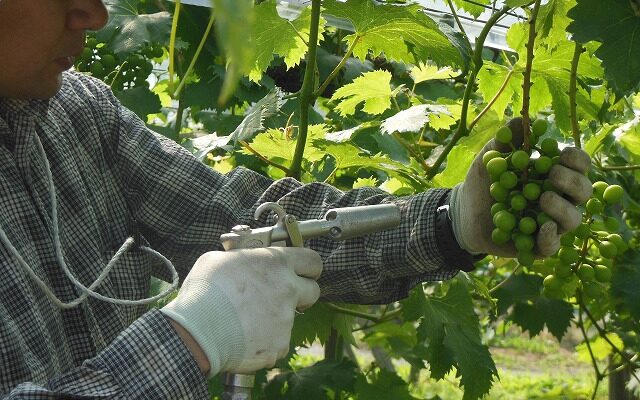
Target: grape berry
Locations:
point(587, 254)
point(120, 71)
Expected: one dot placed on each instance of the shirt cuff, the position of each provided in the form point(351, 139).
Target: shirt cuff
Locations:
point(149, 361)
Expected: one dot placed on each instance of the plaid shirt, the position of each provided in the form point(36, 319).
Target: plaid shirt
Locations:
point(115, 178)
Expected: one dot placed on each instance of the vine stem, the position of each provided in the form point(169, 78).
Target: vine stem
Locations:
point(412, 151)
point(604, 336)
point(458, 22)
point(338, 67)
point(172, 42)
point(599, 375)
point(620, 167)
point(192, 64)
point(526, 84)
point(492, 101)
point(263, 158)
point(573, 91)
point(462, 130)
point(307, 92)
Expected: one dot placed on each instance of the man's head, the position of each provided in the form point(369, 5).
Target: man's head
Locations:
point(38, 40)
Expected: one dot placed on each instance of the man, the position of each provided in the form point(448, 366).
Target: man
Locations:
point(79, 175)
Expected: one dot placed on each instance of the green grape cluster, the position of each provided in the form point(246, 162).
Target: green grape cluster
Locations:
point(121, 72)
point(586, 256)
point(518, 180)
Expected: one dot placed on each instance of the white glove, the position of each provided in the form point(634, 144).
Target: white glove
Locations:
point(470, 203)
point(239, 305)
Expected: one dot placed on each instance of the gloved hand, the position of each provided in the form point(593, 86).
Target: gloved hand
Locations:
point(470, 203)
point(239, 305)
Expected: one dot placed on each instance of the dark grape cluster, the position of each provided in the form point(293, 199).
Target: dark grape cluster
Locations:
point(587, 254)
point(518, 180)
point(121, 72)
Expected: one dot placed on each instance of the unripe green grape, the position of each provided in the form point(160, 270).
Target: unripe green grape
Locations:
point(582, 231)
point(524, 243)
point(594, 206)
point(539, 127)
point(526, 258)
point(490, 155)
point(508, 179)
point(607, 249)
point(504, 135)
point(82, 66)
point(531, 191)
point(592, 289)
point(527, 225)
point(612, 224)
point(505, 221)
point(567, 239)
point(613, 194)
point(568, 255)
point(549, 147)
point(586, 273)
point(616, 239)
point(555, 160)
point(553, 283)
point(498, 192)
point(87, 54)
point(109, 61)
point(598, 189)
point(97, 69)
point(497, 166)
point(520, 159)
point(500, 237)
point(518, 202)
point(496, 207)
point(602, 273)
point(562, 270)
point(542, 218)
point(543, 164)
point(92, 42)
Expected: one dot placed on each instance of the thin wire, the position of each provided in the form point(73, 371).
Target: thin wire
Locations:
point(86, 291)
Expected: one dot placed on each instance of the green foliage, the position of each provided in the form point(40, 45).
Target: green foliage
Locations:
point(614, 24)
point(449, 329)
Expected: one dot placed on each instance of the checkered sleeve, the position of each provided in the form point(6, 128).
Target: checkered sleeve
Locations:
point(183, 206)
point(147, 361)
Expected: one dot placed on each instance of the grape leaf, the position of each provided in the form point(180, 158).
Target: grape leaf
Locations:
point(532, 316)
point(626, 281)
point(427, 72)
point(385, 385)
point(517, 3)
point(474, 8)
point(413, 118)
point(450, 329)
point(519, 288)
point(600, 348)
point(629, 136)
point(530, 311)
point(128, 30)
point(140, 100)
point(552, 21)
point(463, 154)
point(401, 33)
point(274, 144)
point(615, 24)
point(275, 35)
point(313, 383)
point(372, 88)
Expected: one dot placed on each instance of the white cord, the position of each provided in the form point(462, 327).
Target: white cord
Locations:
point(86, 291)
